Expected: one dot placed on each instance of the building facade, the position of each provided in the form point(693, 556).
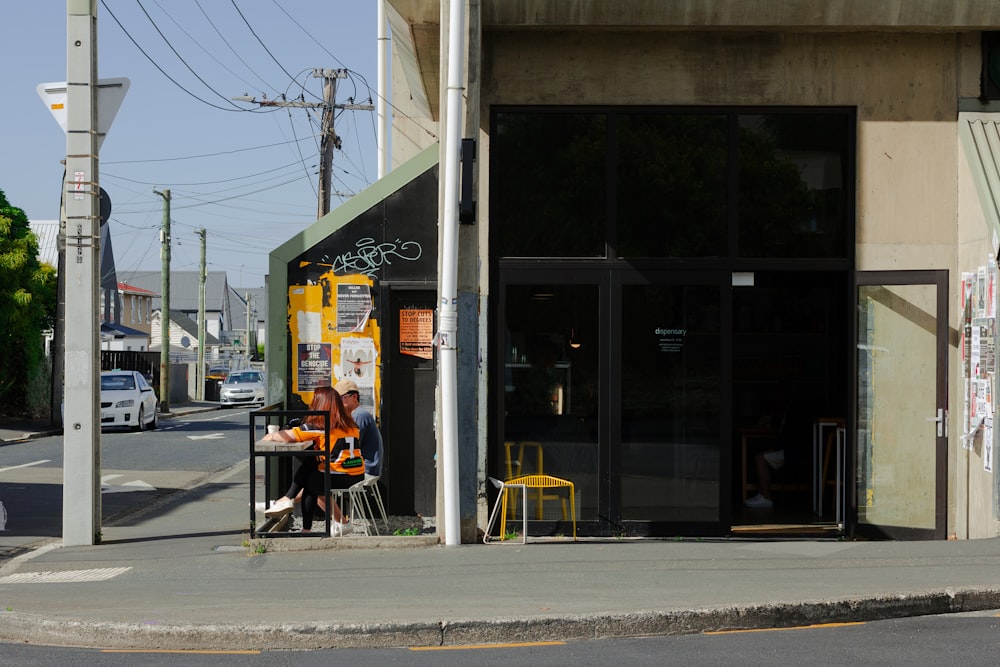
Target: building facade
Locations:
point(710, 230)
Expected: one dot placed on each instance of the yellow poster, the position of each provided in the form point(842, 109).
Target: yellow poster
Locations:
point(334, 337)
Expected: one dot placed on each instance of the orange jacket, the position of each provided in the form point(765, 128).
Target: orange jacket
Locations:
point(345, 452)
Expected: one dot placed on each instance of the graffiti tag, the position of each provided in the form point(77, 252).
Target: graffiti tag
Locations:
point(369, 256)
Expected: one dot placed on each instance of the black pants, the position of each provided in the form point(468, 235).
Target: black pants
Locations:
point(310, 481)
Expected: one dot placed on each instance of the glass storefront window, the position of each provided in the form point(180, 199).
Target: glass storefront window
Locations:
point(672, 184)
point(792, 199)
point(548, 191)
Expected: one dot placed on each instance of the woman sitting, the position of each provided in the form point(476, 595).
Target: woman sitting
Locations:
point(346, 465)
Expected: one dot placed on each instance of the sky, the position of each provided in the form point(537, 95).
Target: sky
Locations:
point(246, 174)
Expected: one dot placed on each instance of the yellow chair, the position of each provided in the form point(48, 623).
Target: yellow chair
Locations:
point(525, 482)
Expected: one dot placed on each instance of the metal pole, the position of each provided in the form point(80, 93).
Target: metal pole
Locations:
point(448, 313)
point(81, 517)
point(381, 137)
point(165, 304)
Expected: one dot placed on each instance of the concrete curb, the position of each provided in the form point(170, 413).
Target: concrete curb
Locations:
point(15, 627)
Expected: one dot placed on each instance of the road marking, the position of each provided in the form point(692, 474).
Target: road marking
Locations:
point(487, 646)
point(182, 651)
point(209, 436)
point(67, 577)
point(24, 465)
point(794, 627)
point(137, 485)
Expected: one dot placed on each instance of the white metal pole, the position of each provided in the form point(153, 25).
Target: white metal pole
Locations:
point(448, 313)
point(381, 132)
point(81, 424)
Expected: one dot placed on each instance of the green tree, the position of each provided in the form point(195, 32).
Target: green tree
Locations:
point(24, 285)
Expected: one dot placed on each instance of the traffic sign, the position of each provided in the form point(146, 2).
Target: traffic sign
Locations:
point(110, 93)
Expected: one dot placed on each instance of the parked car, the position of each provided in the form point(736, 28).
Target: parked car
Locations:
point(242, 388)
point(128, 400)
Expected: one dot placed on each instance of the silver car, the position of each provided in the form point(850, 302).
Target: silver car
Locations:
point(242, 388)
point(127, 400)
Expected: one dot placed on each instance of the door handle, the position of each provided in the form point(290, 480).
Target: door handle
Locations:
point(940, 421)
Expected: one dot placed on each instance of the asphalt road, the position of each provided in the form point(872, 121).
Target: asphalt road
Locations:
point(953, 639)
point(136, 469)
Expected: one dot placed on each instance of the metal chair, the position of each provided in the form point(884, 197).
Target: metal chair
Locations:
point(524, 483)
point(501, 505)
point(371, 485)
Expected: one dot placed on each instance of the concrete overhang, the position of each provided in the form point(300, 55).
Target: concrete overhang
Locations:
point(416, 24)
point(980, 136)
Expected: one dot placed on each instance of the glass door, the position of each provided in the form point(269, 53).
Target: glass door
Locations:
point(669, 402)
point(901, 443)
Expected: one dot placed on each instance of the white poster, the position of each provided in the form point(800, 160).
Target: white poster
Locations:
point(358, 359)
point(988, 444)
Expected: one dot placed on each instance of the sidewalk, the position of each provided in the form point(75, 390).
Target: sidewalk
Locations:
point(184, 575)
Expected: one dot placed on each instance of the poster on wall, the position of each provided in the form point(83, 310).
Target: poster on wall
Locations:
point(988, 444)
point(358, 362)
point(354, 307)
point(416, 332)
point(338, 313)
point(314, 365)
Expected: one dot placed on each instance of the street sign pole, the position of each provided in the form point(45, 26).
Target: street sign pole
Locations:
point(81, 422)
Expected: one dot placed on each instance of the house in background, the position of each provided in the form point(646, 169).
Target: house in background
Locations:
point(183, 333)
point(131, 329)
point(184, 289)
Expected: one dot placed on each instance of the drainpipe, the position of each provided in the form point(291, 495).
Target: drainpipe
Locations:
point(448, 313)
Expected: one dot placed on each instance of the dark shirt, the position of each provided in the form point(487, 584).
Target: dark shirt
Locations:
point(371, 440)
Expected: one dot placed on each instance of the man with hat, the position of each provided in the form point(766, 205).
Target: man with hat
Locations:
point(371, 438)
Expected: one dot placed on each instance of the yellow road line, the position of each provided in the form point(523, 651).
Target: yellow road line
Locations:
point(795, 627)
point(482, 646)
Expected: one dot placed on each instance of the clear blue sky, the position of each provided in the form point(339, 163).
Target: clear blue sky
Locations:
point(249, 177)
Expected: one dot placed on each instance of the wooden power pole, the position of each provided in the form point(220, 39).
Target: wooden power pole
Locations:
point(328, 135)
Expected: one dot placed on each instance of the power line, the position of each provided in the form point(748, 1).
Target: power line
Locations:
point(163, 72)
point(264, 46)
point(195, 157)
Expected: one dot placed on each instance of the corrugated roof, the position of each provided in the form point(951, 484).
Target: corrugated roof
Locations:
point(47, 232)
point(183, 288)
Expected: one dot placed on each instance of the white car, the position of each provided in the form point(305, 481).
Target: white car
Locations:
point(127, 400)
point(242, 388)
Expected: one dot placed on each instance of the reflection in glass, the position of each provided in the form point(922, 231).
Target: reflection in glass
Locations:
point(672, 183)
point(551, 390)
point(669, 456)
point(792, 199)
point(896, 446)
point(547, 195)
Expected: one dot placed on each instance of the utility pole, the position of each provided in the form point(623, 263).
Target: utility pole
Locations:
point(202, 276)
point(247, 341)
point(81, 515)
point(165, 304)
point(328, 136)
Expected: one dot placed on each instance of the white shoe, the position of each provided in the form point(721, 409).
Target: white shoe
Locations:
point(338, 529)
point(260, 505)
point(281, 507)
point(759, 502)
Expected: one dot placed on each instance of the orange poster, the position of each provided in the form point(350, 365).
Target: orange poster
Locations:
point(416, 332)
